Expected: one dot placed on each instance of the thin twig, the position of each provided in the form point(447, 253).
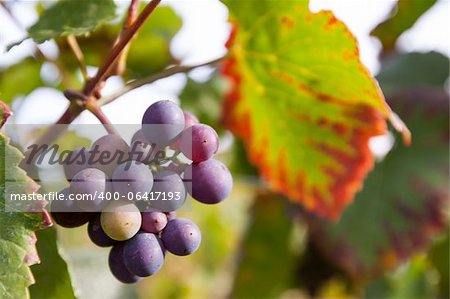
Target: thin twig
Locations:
point(132, 13)
point(120, 64)
point(74, 110)
point(73, 44)
point(164, 74)
point(117, 49)
point(93, 107)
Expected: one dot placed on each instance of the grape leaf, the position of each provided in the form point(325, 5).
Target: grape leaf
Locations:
point(52, 268)
point(17, 238)
point(414, 281)
point(94, 46)
point(410, 70)
point(72, 17)
point(26, 73)
point(261, 262)
point(402, 16)
point(207, 105)
point(150, 52)
point(302, 102)
point(440, 258)
point(402, 204)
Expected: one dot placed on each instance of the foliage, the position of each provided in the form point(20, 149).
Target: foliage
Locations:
point(17, 238)
point(402, 203)
point(157, 32)
point(325, 102)
point(143, 59)
point(413, 280)
point(26, 71)
point(303, 109)
point(403, 15)
point(45, 286)
point(69, 17)
point(269, 222)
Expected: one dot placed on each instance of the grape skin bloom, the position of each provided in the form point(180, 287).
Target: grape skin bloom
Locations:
point(143, 254)
point(132, 177)
point(117, 265)
point(181, 237)
point(199, 142)
point(211, 181)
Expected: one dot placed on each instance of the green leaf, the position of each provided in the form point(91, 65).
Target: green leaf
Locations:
point(414, 280)
point(413, 70)
point(150, 52)
point(87, 261)
point(72, 17)
point(302, 102)
point(20, 79)
point(94, 46)
point(439, 257)
point(401, 206)
point(52, 276)
point(403, 15)
point(204, 100)
point(267, 262)
point(17, 238)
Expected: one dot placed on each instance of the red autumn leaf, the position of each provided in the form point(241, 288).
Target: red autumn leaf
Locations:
point(302, 102)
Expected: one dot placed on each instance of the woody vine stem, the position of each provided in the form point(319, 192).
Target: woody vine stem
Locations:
point(89, 98)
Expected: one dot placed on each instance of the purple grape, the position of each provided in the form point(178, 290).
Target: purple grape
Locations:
point(153, 222)
point(168, 193)
point(189, 119)
point(90, 183)
point(72, 219)
point(108, 152)
point(117, 265)
point(141, 149)
point(132, 177)
point(139, 136)
point(67, 214)
point(211, 181)
point(181, 236)
point(143, 254)
point(199, 142)
point(76, 161)
point(162, 122)
point(97, 235)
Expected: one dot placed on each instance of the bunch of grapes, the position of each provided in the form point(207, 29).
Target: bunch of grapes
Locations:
point(125, 212)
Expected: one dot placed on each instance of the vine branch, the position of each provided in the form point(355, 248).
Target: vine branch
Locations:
point(120, 65)
point(75, 109)
point(73, 44)
point(132, 13)
point(117, 49)
point(164, 74)
point(95, 109)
